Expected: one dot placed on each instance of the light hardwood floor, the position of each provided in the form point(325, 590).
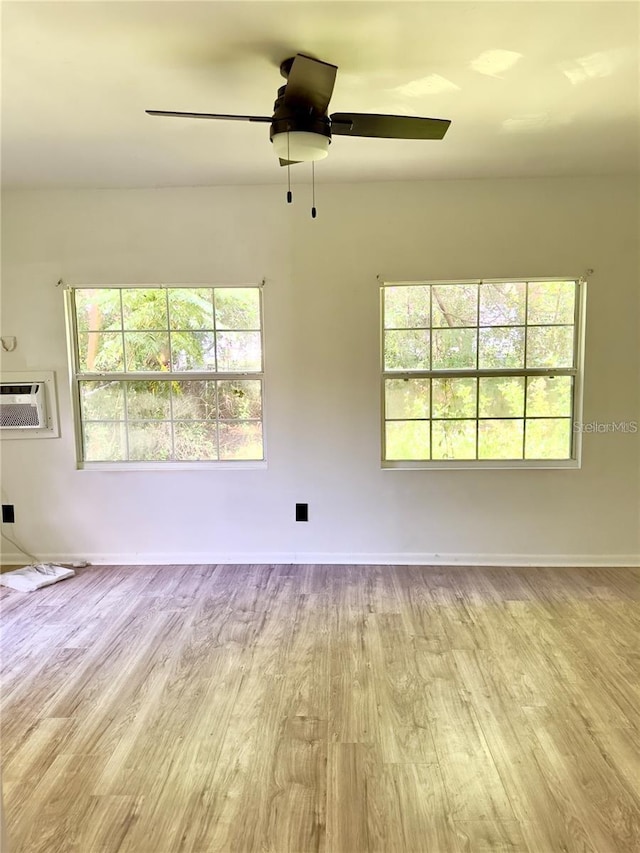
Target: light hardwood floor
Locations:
point(337, 709)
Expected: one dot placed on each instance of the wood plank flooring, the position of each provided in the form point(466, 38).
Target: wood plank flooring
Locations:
point(333, 709)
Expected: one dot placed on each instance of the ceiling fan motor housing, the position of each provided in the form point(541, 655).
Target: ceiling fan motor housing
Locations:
point(288, 119)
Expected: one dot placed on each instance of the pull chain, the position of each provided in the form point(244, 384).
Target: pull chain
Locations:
point(314, 212)
point(289, 193)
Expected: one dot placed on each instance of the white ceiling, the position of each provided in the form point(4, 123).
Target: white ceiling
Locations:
point(532, 88)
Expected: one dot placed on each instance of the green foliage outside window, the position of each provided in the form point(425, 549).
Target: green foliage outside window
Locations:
point(171, 332)
point(488, 331)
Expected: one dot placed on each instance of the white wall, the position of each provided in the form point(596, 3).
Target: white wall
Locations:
point(322, 381)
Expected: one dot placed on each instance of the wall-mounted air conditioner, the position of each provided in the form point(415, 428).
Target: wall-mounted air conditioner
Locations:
point(23, 405)
point(28, 405)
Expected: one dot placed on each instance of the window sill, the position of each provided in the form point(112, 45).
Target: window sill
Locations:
point(231, 465)
point(482, 464)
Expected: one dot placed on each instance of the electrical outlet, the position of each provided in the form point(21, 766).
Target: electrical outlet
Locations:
point(8, 514)
point(302, 512)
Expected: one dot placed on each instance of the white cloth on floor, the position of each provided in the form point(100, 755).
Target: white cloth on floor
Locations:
point(34, 577)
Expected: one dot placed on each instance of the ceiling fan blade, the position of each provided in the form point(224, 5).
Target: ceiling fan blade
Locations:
point(310, 84)
point(388, 127)
point(207, 115)
point(288, 162)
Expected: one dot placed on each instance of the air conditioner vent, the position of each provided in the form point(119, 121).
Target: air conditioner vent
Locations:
point(28, 405)
point(22, 406)
point(12, 388)
point(19, 416)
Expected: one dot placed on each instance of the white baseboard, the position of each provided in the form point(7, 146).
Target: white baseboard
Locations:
point(380, 559)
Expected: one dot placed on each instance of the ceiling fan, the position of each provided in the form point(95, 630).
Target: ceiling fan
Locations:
point(301, 130)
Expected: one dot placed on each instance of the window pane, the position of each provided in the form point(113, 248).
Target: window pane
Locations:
point(550, 346)
point(193, 351)
point(549, 396)
point(144, 308)
point(502, 304)
point(98, 309)
point(406, 350)
point(454, 398)
point(406, 307)
point(194, 400)
point(240, 440)
point(135, 330)
point(147, 350)
point(548, 438)
point(240, 399)
point(148, 401)
point(407, 440)
point(500, 439)
point(102, 401)
point(501, 347)
point(551, 302)
point(100, 352)
point(501, 396)
point(454, 440)
point(454, 348)
point(196, 440)
point(455, 305)
point(237, 308)
point(494, 327)
point(407, 398)
point(239, 351)
point(104, 442)
point(191, 308)
point(149, 441)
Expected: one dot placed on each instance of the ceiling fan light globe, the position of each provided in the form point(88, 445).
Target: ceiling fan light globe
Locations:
point(300, 145)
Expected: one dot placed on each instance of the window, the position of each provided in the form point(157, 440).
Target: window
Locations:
point(481, 373)
point(167, 374)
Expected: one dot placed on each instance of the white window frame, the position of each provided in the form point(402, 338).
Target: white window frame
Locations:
point(76, 376)
point(577, 372)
